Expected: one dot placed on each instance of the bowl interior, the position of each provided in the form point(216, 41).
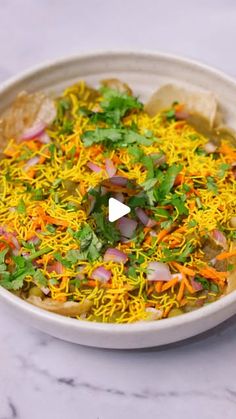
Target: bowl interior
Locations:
point(144, 72)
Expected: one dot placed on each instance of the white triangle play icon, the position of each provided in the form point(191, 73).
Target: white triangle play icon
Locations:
point(117, 209)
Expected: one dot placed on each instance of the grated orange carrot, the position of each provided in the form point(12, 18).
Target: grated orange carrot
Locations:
point(161, 235)
point(212, 273)
point(189, 286)
point(179, 180)
point(158, 286)
point(170, 284)
point(167, 310)
point(226, 255)
point(183, 269)
point(181, 291)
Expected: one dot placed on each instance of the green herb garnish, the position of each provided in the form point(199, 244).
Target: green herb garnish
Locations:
point(211, 185)
point(21, 208)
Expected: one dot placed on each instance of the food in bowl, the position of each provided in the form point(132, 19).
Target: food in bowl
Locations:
point(172, 161)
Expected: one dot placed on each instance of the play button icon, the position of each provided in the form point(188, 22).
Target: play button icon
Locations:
point(116, 209)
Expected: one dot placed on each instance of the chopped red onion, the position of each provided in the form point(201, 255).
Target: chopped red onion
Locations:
point(181, 115)
point(14, 241)
point(119, 181)
point(196, 285)
point(210, 147)
point(153, 313)
point(2, 230)
point(45, 290)
point(115, 255)
point(144, 218)
point(157, 159)
point(25, 254)
point(34, 240)
point(119, 196)
point(94, 167)
point(158, 271)
point(31, 162)
point(11, 237)
point(124, 239)
point(219, 238)
point(101, 274)
point(127, 226)
point(15, 252)
point(80, 275)
point(92, 202)
point(213, 261)
point(177, 275)
point(55, 267)
point(44, 138)
point(34, 131)
point(153, 233)
point(110, 168)
point(103, 190)
point(151, 223)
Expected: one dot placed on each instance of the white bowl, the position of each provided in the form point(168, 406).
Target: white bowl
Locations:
point(144, 72)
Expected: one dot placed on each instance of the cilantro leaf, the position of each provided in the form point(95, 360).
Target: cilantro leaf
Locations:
point(115, 104)
point(37, 194)
point(14, 285)
point(67, 127)
point(62, 260)
point(161, 213)
point(147, 161)
point(175, 255)
point(107, 230)
point(136, 152)
point(2, 255)
point(192, 223)
point(39, 278)
point(51, 229)
point(136, 201)
point(166, 224)
point(149, 184)
point(100, 135)
point(118, 137)
point(211, 185)
point(214, 287)
point(21, 208)
point(132, 272)
point(133, 137)
point(73, 256)
point(170, 115)
point(203, 281)
point(179, 204)
point(90, 245)
point(23, 268)
point(223, 169)
point(168, 181)
point(63, 105)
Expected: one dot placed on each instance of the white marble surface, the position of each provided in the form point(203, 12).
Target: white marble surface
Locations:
point(41, 377)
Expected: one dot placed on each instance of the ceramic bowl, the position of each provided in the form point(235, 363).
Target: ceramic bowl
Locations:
point(144, 72)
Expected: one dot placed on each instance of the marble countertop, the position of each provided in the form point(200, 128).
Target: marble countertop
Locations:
point(42, 377)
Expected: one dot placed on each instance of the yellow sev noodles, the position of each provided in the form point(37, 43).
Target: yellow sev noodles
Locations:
point(115, 301)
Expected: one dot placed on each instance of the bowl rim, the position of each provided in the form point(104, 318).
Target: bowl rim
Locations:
point(111, 328)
